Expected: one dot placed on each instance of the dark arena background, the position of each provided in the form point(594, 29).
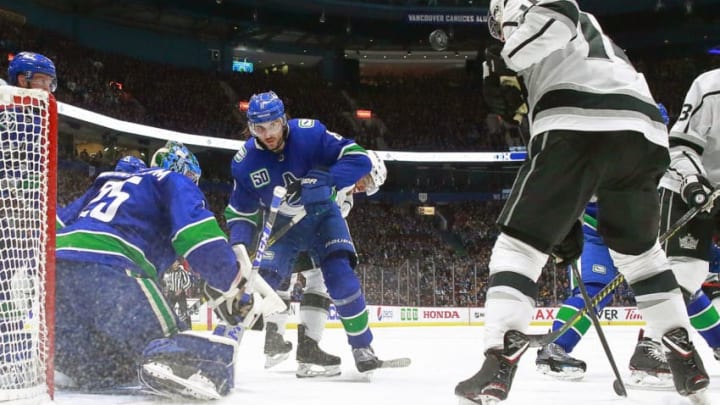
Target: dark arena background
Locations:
point(401, 77)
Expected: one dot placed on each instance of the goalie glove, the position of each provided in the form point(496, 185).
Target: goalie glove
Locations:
point(265, 299)
point(570, 248)
point(231, 306)
point(695, 190)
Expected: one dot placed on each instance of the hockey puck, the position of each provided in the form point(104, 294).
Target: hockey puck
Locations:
point(619, 388)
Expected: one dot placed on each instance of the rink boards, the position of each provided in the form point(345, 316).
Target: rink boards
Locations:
point(394, 316)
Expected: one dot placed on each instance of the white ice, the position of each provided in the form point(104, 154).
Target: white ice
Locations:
point(441, 357)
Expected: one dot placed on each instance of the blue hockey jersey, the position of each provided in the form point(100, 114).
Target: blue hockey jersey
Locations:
point(256, 171)
point(141, 222)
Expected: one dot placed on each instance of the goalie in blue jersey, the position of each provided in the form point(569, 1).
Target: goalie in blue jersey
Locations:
point(312, 163)
point(113, 325)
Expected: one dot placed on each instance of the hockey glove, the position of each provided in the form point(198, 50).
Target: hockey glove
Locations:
point(495, 63)
point(231, 306)
point(502, 89)
point(569, 249)
point(317, 192)
point(695, 190)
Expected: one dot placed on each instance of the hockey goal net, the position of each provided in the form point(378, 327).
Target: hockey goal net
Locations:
point(28, 166)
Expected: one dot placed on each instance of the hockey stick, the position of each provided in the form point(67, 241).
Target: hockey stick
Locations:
point(255, 313)
point(618, 384)
point(274, 237)
point(540, 340)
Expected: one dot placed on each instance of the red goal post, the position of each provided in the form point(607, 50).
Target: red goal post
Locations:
point(28, 183)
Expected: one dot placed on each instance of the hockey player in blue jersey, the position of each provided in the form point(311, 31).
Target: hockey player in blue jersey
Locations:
point(312, 163)
point(130, 164)
point(113, 325)
point(314, 307)
point(31, 70)
point(26, 70)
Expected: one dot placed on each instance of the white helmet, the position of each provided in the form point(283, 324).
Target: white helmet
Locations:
point(495, 18)
point(378, 173)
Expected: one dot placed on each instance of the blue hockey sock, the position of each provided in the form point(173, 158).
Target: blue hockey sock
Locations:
point(572, 305)
point(344, 288)
point(705, 318)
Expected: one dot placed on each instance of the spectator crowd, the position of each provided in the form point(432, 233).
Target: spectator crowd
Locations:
point(405, 258)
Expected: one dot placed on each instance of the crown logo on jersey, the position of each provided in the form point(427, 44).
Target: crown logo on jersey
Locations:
point(688, 242)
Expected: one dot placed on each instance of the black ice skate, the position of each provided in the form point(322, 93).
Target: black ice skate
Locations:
point(277, 349)
point(492, 383)
point(648, 366)
point(688, 372)
point(552, 360)
point(365, 359)
point(312, 360)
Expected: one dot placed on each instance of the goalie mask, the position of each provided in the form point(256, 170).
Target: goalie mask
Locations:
point(130, 164)
point(378, 173)
point(28, 64)
point(174, 156)
point(266, 116)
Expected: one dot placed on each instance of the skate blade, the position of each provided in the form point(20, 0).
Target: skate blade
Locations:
point(307, 370)
point(400, 362)
point(567, 373)
point(191, 387)
point(480, 399)
point(699, 398)
point(275, 359)
point(641, 380)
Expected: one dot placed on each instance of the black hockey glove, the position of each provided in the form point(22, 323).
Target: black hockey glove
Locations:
point(502, 89)
point(496, 65)
point(569, 249)
point(231, 307)
point(695, 190)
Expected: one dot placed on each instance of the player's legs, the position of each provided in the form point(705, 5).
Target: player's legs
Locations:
point(276, 348)
point(95, 345)
point(689, 253)
point(314, 310)
point(97, 349)
point(629, 222)
point(597, 270)
point(333, 245)
point(549, 194)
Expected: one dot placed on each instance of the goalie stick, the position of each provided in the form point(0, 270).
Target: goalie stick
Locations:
point(540, 340)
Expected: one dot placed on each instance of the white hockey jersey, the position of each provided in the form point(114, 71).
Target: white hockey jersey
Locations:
point(695, 136)
point(576, 77)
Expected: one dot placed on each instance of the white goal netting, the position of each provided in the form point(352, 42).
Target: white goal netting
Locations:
point(28, 128)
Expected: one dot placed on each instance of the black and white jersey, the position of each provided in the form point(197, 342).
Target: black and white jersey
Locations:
point(576, 77)
point(695, 136)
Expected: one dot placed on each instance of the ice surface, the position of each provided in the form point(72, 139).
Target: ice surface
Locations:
point(441, 356)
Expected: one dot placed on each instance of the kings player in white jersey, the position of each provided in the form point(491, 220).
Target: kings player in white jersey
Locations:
point(595, 130)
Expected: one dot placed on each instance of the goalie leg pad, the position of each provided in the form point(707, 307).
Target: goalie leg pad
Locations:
point(189, 366)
